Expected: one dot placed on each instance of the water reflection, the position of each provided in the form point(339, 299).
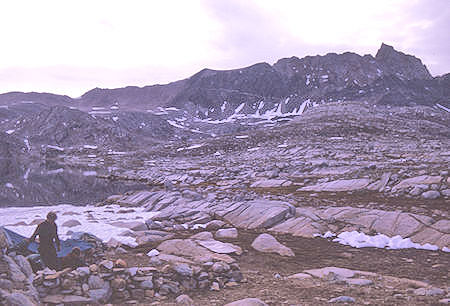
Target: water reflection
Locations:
point(37, 183)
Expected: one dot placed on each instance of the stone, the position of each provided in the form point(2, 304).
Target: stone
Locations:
point(445, 193)
point(214, 225)
point(107, 264)
point(18, 299)
point(268, 244)
point(189, 248)
point(101, 295)
point(118, 283)
point(299, 276)
point(220, 247)
point(202, 236)
point(6, 284)
point(152, 236)
point(147, 284)
point(153, 252)
point(83, 271)
point(342, 299)
point(247, 302)
point(258, 213)
point(429, 291)
point(227, 233)
point(183, 270)
point(339, 185)
point(323, 272)
point(120, 263)
point(271, 183)
point(24, 265)
point(220, 267)
point(431, 194)
point(184, 300)
point(71, 223)
point(418, 180)
point(359, 281)
point(15, 273)
point(96, 282)
point(215, 286)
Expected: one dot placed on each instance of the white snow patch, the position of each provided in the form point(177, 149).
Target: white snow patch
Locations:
point(9, 132)
point(9, 185)
point(94, 220)
point(114, 107)
point(90, 173)
point(153, 252)
point(115, 118)
point(361, 240)
point(242, 136)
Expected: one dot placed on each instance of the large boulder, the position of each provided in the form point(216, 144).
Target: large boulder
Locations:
point(192, 250)
point(339, 185)
point(258, 213)
point(418, 180)
point(268, 244)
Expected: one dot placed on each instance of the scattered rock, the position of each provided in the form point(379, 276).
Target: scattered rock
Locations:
point(268, 244)
point(342, 299)
point(247, 302)
point(227, 233)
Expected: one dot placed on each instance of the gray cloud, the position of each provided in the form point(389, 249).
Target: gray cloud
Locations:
point(251, 34)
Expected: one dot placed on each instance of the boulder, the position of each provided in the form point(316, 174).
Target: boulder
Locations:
point(227, 233)
point(258, 213)
point(418, 180)
point(220, 247)
point(271, 183)
point(189, 248)
point(184, 300)
point(268, 244)
point(431, 194)
point(339, 185)
point(18, 299)
point(247, 302)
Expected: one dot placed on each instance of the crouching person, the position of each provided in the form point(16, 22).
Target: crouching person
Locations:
point(72, 260)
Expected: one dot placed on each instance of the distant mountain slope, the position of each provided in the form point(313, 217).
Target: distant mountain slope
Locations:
point(391, 77)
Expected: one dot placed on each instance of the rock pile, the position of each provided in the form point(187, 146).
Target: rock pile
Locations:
point(112, 282)
point(16, 287)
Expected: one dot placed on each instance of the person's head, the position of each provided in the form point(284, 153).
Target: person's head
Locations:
point(51, 216)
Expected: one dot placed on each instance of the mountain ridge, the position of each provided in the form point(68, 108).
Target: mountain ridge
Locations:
point(391, 77)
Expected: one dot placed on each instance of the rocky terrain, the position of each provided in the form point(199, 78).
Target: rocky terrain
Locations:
point(300, 189)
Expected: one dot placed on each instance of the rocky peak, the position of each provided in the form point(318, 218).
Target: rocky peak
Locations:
point(402, 65)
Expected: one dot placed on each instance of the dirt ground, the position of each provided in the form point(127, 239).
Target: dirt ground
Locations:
point(265, 273)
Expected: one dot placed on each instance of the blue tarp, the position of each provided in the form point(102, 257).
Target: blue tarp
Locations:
point(15, 240)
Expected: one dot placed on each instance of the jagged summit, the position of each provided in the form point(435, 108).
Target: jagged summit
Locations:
point(403, 65)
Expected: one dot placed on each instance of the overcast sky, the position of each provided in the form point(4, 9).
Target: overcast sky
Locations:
point(71, 46)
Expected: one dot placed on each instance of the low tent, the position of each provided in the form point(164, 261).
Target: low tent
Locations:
point(15, 241)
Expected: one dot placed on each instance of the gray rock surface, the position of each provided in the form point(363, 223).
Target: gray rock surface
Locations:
point(268, 244)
